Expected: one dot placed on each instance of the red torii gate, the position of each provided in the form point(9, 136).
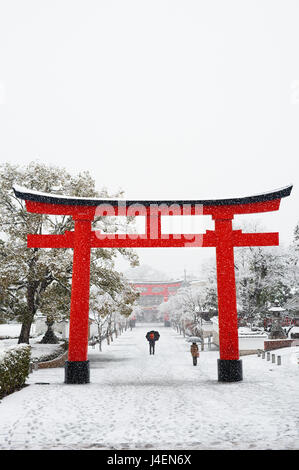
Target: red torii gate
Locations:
point(156, 289)
point(163, 286)
point(224, 238)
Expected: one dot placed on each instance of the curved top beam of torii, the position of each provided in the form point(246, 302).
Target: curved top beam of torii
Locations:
point(46, 203)
point(48, 198)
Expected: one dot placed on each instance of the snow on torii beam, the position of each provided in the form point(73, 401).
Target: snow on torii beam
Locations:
point(223, 238)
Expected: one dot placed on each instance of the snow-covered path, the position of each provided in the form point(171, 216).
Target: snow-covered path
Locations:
point(137, 401)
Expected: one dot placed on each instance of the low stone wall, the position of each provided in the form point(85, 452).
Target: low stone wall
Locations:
point(57, 362)
point(271, 344)
point(247, 352)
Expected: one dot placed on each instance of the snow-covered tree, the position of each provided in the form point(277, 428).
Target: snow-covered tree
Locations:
point(262, 279)
point(32, 278)
point(101, 309)
point(108, 310)
point(293, 260)
point(145, 272)
point(137, 311)
point(185, 309)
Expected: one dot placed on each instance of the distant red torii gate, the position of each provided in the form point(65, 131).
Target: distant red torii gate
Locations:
point(223, 238)
point(165, 288)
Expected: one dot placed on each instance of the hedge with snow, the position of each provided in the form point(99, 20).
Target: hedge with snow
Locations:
point(14, 368)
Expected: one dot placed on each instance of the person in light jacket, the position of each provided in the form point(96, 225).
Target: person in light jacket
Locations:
point(194, 352)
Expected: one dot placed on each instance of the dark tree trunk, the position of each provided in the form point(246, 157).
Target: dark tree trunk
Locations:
point(28, 316)
point(25, 332)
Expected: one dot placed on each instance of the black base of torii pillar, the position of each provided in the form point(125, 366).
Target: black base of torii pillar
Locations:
point(76, 372)
point(230, 370)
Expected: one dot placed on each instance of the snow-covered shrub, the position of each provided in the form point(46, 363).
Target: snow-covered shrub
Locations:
point(14, 368)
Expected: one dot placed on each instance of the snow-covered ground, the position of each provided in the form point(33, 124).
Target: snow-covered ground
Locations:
point(137, 401)
point(11, 330)
point(38, 351)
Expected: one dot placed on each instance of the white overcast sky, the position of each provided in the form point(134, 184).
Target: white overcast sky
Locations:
point(165, 99)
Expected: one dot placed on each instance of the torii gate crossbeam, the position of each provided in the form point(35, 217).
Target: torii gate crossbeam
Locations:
point(82, 239)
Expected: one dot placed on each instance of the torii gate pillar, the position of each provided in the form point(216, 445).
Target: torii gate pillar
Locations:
point(229, 364)
point(77, 365)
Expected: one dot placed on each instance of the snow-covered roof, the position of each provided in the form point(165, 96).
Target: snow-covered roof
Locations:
point(22, 191)
point(154, 282)
point(246, 332)
point(39, 196)
point(197, 281)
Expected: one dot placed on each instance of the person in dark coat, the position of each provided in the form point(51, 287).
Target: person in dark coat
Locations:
point(152, 336)
point(194, 353)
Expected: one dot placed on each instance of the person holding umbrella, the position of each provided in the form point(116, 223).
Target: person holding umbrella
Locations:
point(194, 352)
point(194, 347)
point(152, 336)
